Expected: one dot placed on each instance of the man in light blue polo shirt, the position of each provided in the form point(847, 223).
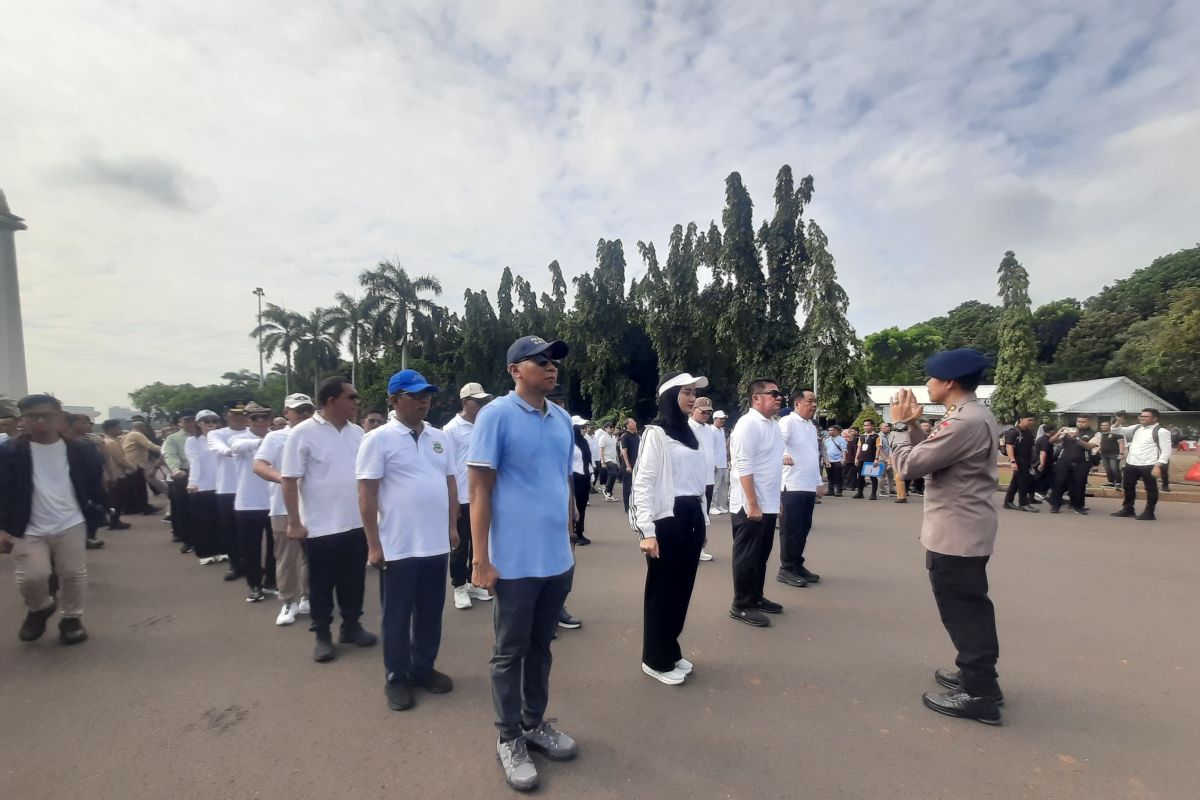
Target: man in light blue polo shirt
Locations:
point(520, 473)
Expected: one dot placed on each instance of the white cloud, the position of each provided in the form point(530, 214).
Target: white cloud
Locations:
point(170, 157)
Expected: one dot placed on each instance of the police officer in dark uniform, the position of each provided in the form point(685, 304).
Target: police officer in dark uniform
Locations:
point(959, 527)
point(1073, 464)
point(1018, 443)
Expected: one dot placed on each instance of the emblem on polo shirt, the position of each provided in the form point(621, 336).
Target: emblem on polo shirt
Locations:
point(437, 447)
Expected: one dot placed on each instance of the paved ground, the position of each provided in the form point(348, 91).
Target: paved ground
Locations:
point(185, 691)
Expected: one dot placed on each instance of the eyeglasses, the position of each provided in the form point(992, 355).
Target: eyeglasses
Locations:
point(542, 360)
point(38, 416)
point(260, 417)
point(778, 395)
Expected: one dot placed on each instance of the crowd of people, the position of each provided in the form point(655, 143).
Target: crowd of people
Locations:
point(300, 504)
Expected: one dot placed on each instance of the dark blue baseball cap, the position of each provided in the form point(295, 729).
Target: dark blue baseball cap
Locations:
point(409, 380)
point(528, 346)
point(951, 364)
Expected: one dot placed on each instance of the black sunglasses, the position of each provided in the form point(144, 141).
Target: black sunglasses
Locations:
point(778, 395)
point(259, 417)
point(542, 360)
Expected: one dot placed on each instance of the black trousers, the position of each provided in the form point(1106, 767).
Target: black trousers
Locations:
point(460, 557)
point(1130, 480)
point(752, 543)
point(1166, 477)
point(670, 579)
point(579, 487)
point(205, 529)
point(227, 525)
point(708, 494)
point(137, 496)
point(795, 521)
point(960, 588)
point(1022, 483)
point(598, 476)
point(1070, 478)
point(337, 562)
point(525, 617)
point(918, 485)
point(862, 485)
point(834, 472)
point(412, 592)
point(627, 487)
point(611, 472)
point(254, 527)
point(1112, 468)
point(177, 493)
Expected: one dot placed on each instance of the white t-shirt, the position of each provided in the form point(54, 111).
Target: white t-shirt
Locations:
point(253, 493)
point(324, 458)
point(800, 441)
point(608, 447)
point(720, 447)
point(706, 447)
point(756, 448)
point(459, 431)
point(594, 446)
point(414, 506)
point(202, 464)
point(689, 469)
point(271, 451)
point(577, 461)
point(227, 474)
point(55, 507)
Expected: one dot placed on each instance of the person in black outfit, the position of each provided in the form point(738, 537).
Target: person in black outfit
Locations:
point(866, 450)
point(1043, 454)
point(628, 455)
point(1112, 447)
point(580, 482)
point(1072, 467)
point(1018, 443)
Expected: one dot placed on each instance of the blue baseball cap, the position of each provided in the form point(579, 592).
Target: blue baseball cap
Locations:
point(528, 346)
point(950, 364)
point(409, 380)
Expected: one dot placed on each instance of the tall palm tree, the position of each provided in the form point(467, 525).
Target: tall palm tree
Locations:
point(317, 343)
point(280, 330)
point(399, 302)
point(353, 319)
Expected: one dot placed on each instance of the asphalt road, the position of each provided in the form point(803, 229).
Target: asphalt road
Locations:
point(185, 691)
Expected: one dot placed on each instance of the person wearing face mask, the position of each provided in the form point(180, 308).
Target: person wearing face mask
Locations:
point(667, 509)
point(755, 484)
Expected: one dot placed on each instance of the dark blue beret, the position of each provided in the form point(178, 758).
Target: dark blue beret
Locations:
point(950, 364)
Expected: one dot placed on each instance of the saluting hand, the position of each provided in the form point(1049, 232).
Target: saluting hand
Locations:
point(905, 407)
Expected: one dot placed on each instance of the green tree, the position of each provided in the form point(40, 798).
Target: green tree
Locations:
point(672, 302)
point(743, 321)
point(352, 320)
point(1163, 352)
point(1051, 324)
point(1019, 387)
point(399, 303)
point(970, 324)
point(895, 356)
point(481, 354)
point(782, 242)
point(242, 379)
point(600, 323)
point(280, 332)
point(318, 344)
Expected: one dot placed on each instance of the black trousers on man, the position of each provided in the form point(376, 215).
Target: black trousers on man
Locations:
point(1130, 481)
point(1022, 483)
point(1165, 469)
point(227, 524)
point(670, 579)
point(525, 619)
point(960, 588)
point(612, 472)
point(336, 563)
point(834, 471)
point(627, 487)
point(177, 493)
point(579, 488)
point(795, 521)
point(254, 528)
point(1070, 478)
point(205, 530)
point(752, 543)
point(412, 592)
point(460, 557)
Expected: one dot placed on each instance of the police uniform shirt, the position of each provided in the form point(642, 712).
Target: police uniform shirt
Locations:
point(1022, 444)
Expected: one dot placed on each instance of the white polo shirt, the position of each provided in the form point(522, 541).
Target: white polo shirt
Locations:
point(414, 504)
point(253, 493)
point(720, 447)
point(706, 447)
point(800, 441)
point(324, 458)
point(218, 442)
point(271, 451)
point(756, 448)
point(202, 472)
point(459, 431)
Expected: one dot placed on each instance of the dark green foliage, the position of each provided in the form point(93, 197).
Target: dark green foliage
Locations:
point(1019, 386)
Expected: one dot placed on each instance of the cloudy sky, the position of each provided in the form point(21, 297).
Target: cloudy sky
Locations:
point(171, 156)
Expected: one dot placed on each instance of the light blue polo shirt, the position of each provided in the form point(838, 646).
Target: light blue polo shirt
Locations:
point(531, 454)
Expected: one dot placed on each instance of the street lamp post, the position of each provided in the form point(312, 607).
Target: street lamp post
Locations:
point(262, 378)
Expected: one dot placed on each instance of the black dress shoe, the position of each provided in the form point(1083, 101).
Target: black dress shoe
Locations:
point(953, 680)
point(1028, 509)
point(232, 574)
point(1146, 516)
point(858, 496)
point(811, 577)
point(358, 636)
point(901, 500)
point(1124, 512)
point(118, 526)
point(1054, 509)
point(399, 695)
point(750, 617)
point(964, 706)
point(323, 650)
point(35, 624)
point(768, 607)
point(1083, 512)
point(1010, 506)
point(185, 548)
point(71, 631)
point(791, 579)
point(582, 540)
point(434, 683)
point(94, 544)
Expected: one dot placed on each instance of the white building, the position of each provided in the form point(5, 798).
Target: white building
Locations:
point(12, 342)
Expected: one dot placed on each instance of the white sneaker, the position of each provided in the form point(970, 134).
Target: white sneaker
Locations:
point(221, 557)
point(672, 678)
point(287, 614)
point(716, 512)
point(684, 666)
point(302, 607)
point(705, 555)
point(477, 593)
point(462, 598)
point(204, 562)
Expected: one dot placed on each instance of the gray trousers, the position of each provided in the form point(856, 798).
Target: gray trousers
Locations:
point(721, 489)
point(35, 558)
point(525, 617)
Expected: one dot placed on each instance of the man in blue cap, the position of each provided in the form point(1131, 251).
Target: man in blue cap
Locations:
point(409, 503)
point(520, 479)
point(959, 528)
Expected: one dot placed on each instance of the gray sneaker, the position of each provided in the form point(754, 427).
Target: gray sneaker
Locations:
point(518, 766)
point(551, 742)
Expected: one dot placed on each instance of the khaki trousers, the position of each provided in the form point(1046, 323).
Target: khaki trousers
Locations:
point(35, 556)
point(291, 565)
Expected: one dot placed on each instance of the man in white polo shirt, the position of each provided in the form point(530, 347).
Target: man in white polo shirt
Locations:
point(755, 479)
point(408, 498)
point(218, 442)
point(459, 431)
point(252, 505)
point(801, 487)
point(1146, 457)
point(720, 503)
point(320, 492)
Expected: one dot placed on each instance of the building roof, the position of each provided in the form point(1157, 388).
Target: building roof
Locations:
point(1101, 396)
